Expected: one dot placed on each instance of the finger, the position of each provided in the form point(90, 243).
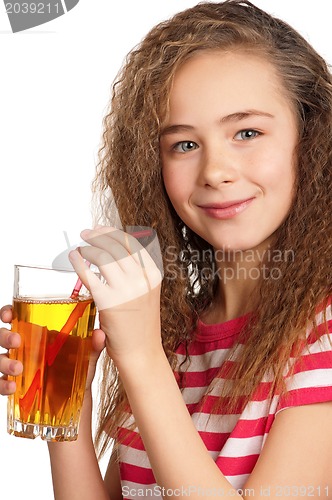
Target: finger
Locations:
point(103, 294)
point(98, 340)
point(110, 270)
point(143, 234)
point(9, 340)
point(89, 279)
point(116, 275)
point(6, 315)
point(116, 243)
point(10, 366)
point(95, 255)
point(119, 244)
point(132, 240)
point(7, 387)
point(148, 253)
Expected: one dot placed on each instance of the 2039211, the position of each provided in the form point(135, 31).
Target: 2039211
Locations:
point(32, 8)
point(301, 491)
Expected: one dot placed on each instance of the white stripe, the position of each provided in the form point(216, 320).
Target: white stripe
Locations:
point(240, 447)
point(329, 312)
point(205, 361)
point(260, 409)
point(132, 456)
point(322, 345)
point(213, 359)
point(139, 458)
point(129, 422)
point(312, 378)
point(320, 316)
point(218, 384)
point(205, 422)
point(193, 395)
point(238, 481)
point(135, 490)
point(202, 362)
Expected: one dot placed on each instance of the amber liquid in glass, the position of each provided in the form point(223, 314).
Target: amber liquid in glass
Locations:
point(55, 349)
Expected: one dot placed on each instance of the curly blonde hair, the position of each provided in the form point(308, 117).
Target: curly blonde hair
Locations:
point(130, 167)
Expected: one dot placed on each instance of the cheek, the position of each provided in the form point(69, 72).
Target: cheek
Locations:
point(175, 186)
point(277, 173)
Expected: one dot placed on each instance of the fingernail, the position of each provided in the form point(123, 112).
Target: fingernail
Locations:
point(73, 255)
point(85, 232)
point(12, 367)
point(11, 386)
point(12, 340)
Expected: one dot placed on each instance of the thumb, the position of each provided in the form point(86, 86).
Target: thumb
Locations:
point(98, 342)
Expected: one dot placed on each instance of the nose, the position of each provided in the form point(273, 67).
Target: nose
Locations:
point(218, 166)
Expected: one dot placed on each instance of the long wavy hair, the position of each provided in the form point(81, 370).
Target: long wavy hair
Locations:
point(129, 175)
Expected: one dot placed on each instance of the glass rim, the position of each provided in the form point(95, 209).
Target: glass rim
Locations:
point(45, 268)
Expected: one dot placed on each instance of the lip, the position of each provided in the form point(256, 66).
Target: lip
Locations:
point(226, 210)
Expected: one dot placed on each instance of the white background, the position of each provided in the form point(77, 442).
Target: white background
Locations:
point(54, 88)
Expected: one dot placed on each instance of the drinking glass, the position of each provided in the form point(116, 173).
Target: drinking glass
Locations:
point(55, 347)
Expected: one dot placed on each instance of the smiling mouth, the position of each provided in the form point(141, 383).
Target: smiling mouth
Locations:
point(226, 210)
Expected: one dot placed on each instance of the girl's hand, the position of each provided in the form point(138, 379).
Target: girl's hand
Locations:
point(98, 344)
point(129, 300)
point(12, 340)
point(8, 340)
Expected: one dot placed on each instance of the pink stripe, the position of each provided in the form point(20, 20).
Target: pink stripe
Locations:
point(130, 438)
point(199, 379)
point(250, 428)
point(306, 396)
point(136, 474)
point(203, 378)
point(214, 405)
point(322, 329)
point(304, 363)
point(199, 348)
point(214, 441)
point(324, 305)
point(314, 361)
point(231, 466)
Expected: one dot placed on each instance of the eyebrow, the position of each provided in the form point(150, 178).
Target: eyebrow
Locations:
point(241, 115)
point(233, 117)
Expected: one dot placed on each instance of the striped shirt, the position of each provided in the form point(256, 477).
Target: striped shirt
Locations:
point(234, 441)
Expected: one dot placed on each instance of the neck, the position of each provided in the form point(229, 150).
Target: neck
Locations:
point(240, 273)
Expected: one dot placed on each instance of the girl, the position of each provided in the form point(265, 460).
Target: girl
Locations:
point(217, 380)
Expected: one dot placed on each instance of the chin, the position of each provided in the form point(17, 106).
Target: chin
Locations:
point(240, 246)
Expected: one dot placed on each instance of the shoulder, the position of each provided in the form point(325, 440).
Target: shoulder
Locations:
point(309, 375)
point(319, 334)
point(298, 451)
point(298, 448)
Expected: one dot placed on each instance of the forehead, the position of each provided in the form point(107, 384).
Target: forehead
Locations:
point(227, 78)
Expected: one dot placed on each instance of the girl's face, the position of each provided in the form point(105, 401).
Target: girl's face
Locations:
point(227, 149)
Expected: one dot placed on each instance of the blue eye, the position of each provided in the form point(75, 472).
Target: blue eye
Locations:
point(247, 135)
point(185, 146)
